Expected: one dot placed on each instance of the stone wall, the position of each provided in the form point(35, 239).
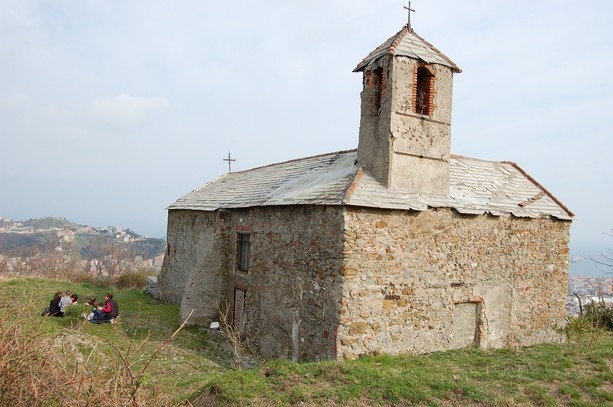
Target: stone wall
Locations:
point(374, 147)
point(195, 266)
point(424, 281)
point(291, 289)
point(293, 283)
point(336, 282)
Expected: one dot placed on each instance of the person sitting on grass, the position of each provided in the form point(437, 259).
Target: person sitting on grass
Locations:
point(53, 310)
point(65, 301)
point(91, 302)
point(111, 310)
point(98, 314)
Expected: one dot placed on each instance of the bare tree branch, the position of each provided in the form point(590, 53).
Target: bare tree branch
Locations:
point(605, 260)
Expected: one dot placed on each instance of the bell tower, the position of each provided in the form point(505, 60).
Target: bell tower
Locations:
point(405, 122)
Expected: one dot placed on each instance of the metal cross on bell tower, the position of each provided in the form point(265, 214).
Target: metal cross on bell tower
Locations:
point(409, 10)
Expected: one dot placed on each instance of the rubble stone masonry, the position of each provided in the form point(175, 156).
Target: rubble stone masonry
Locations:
point(293, 286)
point(341, 282)
point(410, 277)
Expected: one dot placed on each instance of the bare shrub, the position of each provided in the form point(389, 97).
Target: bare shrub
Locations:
point(232, 334)
point(83, 277)
point(128, 279)
point(48, 264)
point(89, 278)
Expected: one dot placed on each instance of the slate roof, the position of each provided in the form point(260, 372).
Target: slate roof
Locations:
point(476, 187)
point(407, 43)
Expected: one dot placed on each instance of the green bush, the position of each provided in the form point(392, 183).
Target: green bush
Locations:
point(75, 311)
point(575, 328)
point(589, 328)
point(599, 315)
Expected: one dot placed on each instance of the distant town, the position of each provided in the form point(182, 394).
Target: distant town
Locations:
point(588, 289)
point(57, 243)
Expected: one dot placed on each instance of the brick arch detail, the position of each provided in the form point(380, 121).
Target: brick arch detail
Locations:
point(423, 90)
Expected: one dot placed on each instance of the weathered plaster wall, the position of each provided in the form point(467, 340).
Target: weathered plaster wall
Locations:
point(293, 284)
point(408, 275)
point(375, 147)
point(195, 266)
point(291, 288)
point(410, 134)
point(421, 144)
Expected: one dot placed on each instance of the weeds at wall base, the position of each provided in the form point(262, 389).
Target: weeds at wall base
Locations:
point(585, 331)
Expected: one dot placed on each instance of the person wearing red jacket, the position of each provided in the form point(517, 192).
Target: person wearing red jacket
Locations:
point(111, 309)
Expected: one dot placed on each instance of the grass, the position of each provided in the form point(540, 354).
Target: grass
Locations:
point(179, 369)
point(195, 367)
point(544, 375)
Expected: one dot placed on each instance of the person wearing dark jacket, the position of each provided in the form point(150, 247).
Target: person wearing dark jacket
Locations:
point(54, 306)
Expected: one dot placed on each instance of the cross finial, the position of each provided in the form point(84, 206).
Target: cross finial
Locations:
point(229, 160)
point(409, 9)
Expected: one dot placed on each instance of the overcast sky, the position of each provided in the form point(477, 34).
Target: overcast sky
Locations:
point(111, 110)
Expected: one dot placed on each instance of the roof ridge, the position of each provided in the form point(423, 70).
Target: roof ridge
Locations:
point(397, 40)
point(357, 177)
point(293, 160)
point(451, 63)
point(463, 157)
point(539, 186)
point(385, 44)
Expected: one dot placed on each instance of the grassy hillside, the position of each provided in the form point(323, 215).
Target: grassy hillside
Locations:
point(194, 368)
point(180, 368)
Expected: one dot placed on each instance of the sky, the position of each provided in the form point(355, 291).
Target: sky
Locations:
point(111, 110)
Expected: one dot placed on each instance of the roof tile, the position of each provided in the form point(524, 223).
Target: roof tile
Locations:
point(476, 187)
point(407, 43)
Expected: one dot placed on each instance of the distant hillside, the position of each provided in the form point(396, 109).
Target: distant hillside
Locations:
point(50, 222)
point(93, 248)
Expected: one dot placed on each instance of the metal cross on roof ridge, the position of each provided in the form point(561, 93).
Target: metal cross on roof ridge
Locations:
point(229, 160)
point(409, 9)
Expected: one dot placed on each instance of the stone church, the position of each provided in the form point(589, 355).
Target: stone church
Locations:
point(395, 247)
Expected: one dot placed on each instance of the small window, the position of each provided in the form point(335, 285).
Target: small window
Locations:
point(377, 83)
point(243, 242)
point(424, 92)
point(375, 87)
